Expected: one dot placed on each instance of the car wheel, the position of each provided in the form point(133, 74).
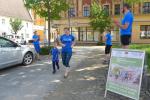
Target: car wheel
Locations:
point(28, 58)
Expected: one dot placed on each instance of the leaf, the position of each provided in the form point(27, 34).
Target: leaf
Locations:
point(42, 7)
point(16, 25)
point(99, 18)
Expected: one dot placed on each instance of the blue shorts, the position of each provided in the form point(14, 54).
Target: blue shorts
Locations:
point(37, 48)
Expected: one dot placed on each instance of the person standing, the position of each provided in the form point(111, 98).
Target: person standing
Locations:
point(67, 41)
point(55, 57)
point(36, 43)
point(108, 45)
point(125, 26)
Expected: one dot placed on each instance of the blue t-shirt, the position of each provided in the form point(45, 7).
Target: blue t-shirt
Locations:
point(108, 39)
point(67, 40)
point(128, 18)
point(36, 37)
point(55, 54)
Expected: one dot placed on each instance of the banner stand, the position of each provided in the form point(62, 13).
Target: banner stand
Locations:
point(146, 87)
point(112, 65)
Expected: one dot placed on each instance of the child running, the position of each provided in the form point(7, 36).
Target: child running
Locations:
point(108, 45)
point(55, 58)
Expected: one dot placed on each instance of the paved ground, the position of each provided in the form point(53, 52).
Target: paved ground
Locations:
point(36, 82)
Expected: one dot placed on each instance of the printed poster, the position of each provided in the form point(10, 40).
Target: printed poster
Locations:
point(125, 72)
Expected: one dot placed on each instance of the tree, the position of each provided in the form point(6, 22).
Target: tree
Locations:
point(48, 9)
point(132, 1)
point(16, 25)
point(99, 18)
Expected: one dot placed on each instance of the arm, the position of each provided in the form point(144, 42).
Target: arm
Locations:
point(74, 42)
point(60, 42)
point(35, 39)
point(105, 38)
point(125, 26)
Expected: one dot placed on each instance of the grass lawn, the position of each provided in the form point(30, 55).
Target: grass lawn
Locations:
point(145, 47)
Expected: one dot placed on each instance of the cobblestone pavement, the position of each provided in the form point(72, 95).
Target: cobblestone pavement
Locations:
point(36, 82)
point(87, 82)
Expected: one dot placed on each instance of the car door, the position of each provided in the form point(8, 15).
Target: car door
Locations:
point(10, 52)
point(2, 56)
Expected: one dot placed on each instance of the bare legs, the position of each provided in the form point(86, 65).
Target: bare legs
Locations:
point(125, 46)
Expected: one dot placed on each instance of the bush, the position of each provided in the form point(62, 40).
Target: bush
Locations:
point(146, 48)
point(100, 44)
point(45, 50)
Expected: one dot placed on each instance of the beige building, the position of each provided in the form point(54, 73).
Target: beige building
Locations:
point(79, 20)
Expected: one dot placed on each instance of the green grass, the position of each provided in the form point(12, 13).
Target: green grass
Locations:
point(145, 47)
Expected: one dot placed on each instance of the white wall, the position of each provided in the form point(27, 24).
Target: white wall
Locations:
point(26, 31)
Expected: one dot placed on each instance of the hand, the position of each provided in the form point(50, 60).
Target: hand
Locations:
point(63, 45)
point(116, 22)
point(72, 46)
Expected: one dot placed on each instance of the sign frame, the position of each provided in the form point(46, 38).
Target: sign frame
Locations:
point(141, 74)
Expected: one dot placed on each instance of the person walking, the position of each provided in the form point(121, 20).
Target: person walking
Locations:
point(36, 44)
point(55, 57)
point(125, 26)
point(108, 45)
point(67, 41)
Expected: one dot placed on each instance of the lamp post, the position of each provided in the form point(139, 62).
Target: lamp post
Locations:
point(70, 14)
point(69, 20)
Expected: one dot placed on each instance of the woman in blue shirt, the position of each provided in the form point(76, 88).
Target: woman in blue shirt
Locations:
point(67, 42)
point(36, 44)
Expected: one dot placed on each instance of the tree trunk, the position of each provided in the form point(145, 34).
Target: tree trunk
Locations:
point(100, 38)
point(49, 28)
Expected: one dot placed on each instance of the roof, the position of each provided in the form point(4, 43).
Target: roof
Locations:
point(14, 9)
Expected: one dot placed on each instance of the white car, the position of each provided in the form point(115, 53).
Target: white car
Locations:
point(12, 53)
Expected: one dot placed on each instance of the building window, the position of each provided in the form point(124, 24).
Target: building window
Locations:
point(117, 9)
point(146, 7)
point(72, 12)
point(145, 31)
point(4, 34)
point(3, 21)
point(86, 11)
point(106, 8)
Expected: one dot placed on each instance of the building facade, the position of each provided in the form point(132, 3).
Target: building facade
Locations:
point(79, 20)
point(41, 26)
point(6, 31)
point(9, 9)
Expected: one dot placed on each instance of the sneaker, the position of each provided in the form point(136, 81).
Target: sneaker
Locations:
point(105, 62)
point(54, 72)
point(66, 75)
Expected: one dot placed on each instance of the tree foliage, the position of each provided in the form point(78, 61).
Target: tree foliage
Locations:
point(99, 18)
point(132, 1)
point(48, 9)
point(16, 25)
point(43, 7)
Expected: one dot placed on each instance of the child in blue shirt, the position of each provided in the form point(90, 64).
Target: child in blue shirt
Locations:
point(55, 58)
